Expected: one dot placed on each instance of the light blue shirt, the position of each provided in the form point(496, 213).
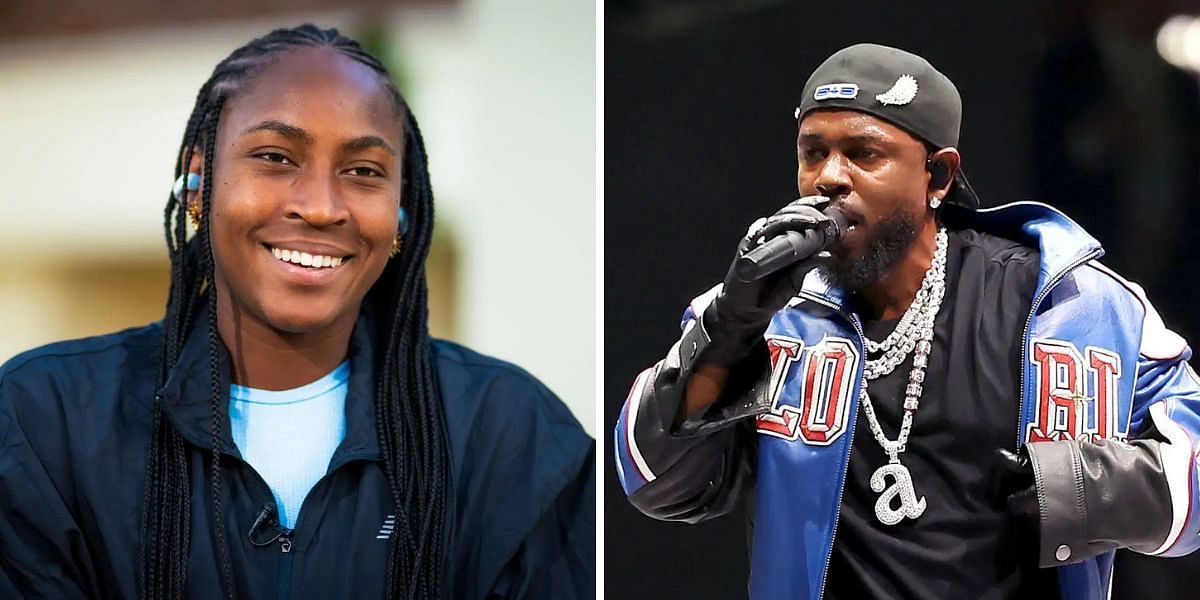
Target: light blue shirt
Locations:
point(288, 436)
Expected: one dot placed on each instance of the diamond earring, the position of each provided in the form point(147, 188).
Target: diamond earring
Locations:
point(934, 202)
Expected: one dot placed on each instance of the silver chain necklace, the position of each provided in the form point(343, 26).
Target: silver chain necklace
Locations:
point(913, 332)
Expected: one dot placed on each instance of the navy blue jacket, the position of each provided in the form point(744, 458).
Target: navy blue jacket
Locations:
point(74, 433)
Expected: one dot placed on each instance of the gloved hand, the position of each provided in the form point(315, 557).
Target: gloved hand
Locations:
point(1018, 489)
point(737, 318)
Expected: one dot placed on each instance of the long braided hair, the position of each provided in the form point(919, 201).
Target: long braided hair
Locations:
point(408, 409)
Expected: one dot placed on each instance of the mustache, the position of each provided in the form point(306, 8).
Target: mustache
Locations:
point(853, 216)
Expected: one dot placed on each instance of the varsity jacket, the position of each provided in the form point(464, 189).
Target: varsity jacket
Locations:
point(75, 428)
point(1109, 413)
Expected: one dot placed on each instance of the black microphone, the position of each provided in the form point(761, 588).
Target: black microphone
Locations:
point(264, 517)
point(792, 247)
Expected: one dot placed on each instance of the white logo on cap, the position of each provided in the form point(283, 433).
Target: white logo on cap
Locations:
point(836, 90)
point(902, 92)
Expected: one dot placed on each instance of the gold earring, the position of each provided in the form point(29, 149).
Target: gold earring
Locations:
point(397, 244)
point(193, 211)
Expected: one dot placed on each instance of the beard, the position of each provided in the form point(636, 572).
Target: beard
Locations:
point(887, 243)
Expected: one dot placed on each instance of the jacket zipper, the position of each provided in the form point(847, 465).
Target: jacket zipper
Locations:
point(286, 538)
point(283, 585)
point(837, 511)
point(285, 566)
point(1037, 301)
point(283, 588)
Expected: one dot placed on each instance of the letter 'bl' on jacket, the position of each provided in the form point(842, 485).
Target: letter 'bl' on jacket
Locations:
point(1109, 412)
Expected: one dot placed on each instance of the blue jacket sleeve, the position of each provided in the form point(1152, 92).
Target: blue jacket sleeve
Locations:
point(1141, 494)
point(43, 553)
point(524, 472)
point(697, 468)
point(1167, 414)
point(557, 559)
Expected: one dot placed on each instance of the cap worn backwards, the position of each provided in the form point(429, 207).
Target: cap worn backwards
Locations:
point(896, 86)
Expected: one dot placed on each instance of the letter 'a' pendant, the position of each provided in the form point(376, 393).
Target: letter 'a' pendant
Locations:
point(902, 486)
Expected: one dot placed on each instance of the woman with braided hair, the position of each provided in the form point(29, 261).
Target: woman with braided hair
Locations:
point(289, 429)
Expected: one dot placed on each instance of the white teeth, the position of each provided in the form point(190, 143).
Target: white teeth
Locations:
point(306, 259)
point(851, 228)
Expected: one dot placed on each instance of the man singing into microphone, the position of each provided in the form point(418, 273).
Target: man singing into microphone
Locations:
point(1021, 411)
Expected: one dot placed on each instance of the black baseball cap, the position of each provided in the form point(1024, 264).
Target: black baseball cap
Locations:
point(898, 87)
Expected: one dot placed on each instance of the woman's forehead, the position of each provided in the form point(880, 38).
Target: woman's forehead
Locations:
point(320, 90)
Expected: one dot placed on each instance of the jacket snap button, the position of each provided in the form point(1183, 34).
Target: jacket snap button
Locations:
point(1063, 552)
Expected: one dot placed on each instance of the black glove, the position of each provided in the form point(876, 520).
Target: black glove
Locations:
point(1018, 489)
point(739, 315)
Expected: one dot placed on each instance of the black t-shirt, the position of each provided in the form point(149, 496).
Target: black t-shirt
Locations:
point(964, 545)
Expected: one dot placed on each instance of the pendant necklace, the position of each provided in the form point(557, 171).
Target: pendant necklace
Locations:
point(914, 332)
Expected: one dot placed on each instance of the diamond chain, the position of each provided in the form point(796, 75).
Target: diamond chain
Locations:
point(912, 324)
point(917, 335)
point(902, 329)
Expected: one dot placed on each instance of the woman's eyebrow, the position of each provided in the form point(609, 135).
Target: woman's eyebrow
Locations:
point(290, 131)
point(363, 142)
point(285, 129)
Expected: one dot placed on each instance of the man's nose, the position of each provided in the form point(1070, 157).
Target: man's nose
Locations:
point(833, 179)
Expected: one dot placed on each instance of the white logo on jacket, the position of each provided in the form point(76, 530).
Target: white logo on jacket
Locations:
point(385, 532)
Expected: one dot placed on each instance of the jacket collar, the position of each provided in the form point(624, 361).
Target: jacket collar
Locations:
point(187, 399)
point(1062, 243)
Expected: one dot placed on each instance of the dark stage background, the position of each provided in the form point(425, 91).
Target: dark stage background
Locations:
point(1064, 102)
